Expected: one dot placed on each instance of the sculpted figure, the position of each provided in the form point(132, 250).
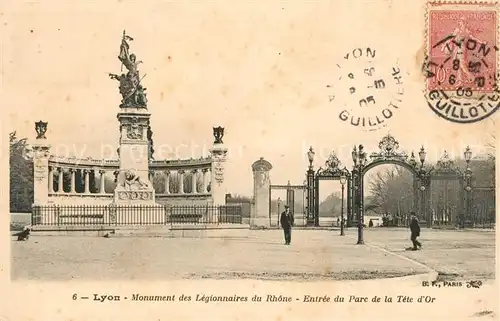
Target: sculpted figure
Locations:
point(133, 180)
point(133, 93)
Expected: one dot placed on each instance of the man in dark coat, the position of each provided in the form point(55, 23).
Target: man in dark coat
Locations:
point(415, 231)
point(286, 221)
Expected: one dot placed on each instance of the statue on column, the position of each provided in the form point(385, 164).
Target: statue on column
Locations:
point(131, 89)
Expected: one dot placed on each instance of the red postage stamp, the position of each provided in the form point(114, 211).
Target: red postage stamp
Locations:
point(462, 47)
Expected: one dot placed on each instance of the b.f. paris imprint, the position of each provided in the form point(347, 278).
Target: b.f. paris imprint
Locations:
point(367, 92)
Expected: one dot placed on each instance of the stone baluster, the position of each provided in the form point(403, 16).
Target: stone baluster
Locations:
point(205, 180)
point(51, 179)
point(102, 181)
point(194, 177)
point(167, 182)
point(60, 188)
point(73, 185)
point(86, 174)
point(181, 181)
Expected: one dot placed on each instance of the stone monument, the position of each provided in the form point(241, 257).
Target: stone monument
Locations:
point(259, 218)
point(219, 156)
point(133, 185)
point(39, 152)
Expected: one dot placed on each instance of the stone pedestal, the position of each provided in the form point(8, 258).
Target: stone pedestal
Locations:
point(217, 184)
point(133, 185)
point(260, 213)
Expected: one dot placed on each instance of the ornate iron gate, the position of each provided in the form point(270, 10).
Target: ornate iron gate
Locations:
point(291, 191)
point(389, 153)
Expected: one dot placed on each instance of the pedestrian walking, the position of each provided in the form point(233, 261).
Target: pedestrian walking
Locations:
point(415, 231)
point(287, 221)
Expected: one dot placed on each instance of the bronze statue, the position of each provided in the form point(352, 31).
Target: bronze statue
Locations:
point(41, 129)
point(131, 89)
point(218, 134)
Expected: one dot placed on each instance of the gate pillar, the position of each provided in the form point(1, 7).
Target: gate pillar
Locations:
point(259, 218)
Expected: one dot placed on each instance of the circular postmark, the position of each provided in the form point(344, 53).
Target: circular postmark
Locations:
point(461, 66)
point(368, 90)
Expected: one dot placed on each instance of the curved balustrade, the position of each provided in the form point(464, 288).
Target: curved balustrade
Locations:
point(73, 179)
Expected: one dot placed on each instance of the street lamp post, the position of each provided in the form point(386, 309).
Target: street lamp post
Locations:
point(423, 181)
point(343, 180)
point(359, 160)
point(310, 188)
point(468, 187)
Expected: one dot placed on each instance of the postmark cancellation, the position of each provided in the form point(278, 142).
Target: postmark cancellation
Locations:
point(367, 89)
point(461, 65)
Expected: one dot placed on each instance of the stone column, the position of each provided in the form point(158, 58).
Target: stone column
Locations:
point(86, 174)
point(181, 181)
point(260, 215)
point(60, 188)
point(205, 180)
point(167, 182)
point(102, 189)
point(51, 179)
point(151, 176)
point(41, 154)
point(194, 173)
point(218, 186)
point(73, 185)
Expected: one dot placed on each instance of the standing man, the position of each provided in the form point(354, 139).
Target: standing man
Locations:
point(415, 231)
point(286, 221)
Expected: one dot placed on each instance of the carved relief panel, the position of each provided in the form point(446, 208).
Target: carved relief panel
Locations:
point(219, 171)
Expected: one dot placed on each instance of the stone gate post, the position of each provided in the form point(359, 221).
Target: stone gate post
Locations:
point(259, 216)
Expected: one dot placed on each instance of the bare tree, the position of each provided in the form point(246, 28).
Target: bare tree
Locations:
point(392, 191)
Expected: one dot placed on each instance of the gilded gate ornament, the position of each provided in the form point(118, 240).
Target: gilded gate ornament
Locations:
point(388, 150)
point(332, 166)
point(446, 165)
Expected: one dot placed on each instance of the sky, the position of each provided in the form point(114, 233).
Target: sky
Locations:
point(260, 71)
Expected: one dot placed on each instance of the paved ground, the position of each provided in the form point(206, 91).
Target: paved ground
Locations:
point(454, 254)
point(313, 255)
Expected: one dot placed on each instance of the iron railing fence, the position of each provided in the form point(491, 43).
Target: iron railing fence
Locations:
point(63, 215)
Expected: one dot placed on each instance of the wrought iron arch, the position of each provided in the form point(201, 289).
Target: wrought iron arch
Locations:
point(412, 168)
point(332, 170)
point(388, 153)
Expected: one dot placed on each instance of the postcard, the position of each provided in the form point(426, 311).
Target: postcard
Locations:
point(238, 160)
